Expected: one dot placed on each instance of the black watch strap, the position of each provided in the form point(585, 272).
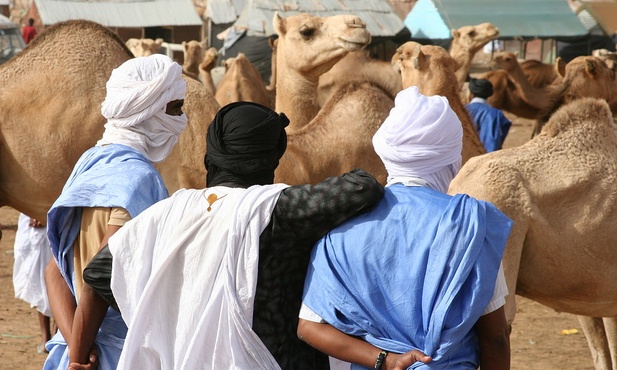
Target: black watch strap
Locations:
point(381, 357)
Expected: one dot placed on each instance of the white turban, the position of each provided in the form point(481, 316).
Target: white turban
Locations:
point(421, 138)
point(137, 95)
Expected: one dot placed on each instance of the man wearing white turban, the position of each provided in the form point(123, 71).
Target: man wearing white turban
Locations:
point(417, 281)
point(111, 183)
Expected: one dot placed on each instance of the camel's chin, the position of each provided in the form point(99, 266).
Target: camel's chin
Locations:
point(353, 45)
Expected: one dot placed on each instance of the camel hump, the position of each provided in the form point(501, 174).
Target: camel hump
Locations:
point(586, 117)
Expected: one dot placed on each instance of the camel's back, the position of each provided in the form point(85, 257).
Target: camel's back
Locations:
point(69, 49)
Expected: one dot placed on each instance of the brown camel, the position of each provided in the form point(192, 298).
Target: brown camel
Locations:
point(242, 82)
point(559, 189)
point(507, 96)
point(50, 102)
point(432, 69)
point(205, 69)
point(358, 66)
point(193, 52)
point(466, 42)
point(540, 74)
point(532, 95)
point(336, 138)
point(584, 76)
point(143, 47)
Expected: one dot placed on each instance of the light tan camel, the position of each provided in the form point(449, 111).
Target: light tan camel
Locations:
point(358, 66)
point(205, 69)
point(532, 95)
point(559, 189)
point(336, 138)
point(50, 113)
point(432, 69)
point(242, 82)
point(193, 52)
point(584, 76)
point(466, 42)
point(144, 47)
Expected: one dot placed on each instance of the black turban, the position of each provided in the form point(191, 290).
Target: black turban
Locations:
point(481, 87)
point(245, 142)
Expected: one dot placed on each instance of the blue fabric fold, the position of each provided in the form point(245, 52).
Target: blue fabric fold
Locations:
point(416, 272)
point(104, 176)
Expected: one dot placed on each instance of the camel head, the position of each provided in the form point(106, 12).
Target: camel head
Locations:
point(209, 61)
point(429, 67)
point(475, 37)
point(589, 76)
point(193, 52)
point(144, 47)
point(311, 45)
point(505, 60)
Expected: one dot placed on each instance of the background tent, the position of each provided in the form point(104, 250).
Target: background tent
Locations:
point(432, 21)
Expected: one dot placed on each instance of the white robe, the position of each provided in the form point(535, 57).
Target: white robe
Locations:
point(32, 253)
point(184, 278)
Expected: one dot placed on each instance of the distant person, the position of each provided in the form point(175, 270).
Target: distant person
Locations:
point(28, 32)
point(32, 253)
point(491, 124)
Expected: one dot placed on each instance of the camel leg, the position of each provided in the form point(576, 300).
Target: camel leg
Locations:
point(593, 327)
point(610, 327)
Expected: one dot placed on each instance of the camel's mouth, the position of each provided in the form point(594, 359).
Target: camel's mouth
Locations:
point(353, 44)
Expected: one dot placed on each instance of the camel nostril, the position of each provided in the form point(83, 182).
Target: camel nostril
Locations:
point(356, 22)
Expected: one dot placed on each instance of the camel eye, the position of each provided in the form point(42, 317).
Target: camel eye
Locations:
point(472, 33)
point(307, 32)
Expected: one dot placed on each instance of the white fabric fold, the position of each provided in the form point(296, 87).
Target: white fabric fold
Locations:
point(184, 277)
point(421, 137)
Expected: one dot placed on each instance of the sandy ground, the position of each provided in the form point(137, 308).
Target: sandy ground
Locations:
point(537, 339)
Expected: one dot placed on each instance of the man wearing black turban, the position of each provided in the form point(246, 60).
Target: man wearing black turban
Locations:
point(245, 142)
point(491, 124)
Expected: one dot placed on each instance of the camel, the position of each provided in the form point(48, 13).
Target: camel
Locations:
point(558, 188)
point(336, 138)
point(205, 69)
point(507, 96)
point(144, 47)
point(50, 101)
point(540, 74)
point(358, 65)
point(532, 95)
point(584, 76)
point(432, 69)
point(466, 42)
point(242, 82)
point(193, 52)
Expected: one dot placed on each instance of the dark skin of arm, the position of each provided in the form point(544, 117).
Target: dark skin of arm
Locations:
point(86, 322)
point(492, 330)
point(335, 343)
point(494, 341)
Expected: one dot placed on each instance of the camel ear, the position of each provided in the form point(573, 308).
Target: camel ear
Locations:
point(420, 60)
point(159, 42)
point(278, 24)
point(560, 67)
point(591, 67)
point(455, 34)
point(515, 54)
point(203, 44)
point(396, 60)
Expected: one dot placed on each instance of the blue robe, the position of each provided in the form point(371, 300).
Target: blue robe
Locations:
point(491, 124)
point(105, 176)
point(416, 272)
